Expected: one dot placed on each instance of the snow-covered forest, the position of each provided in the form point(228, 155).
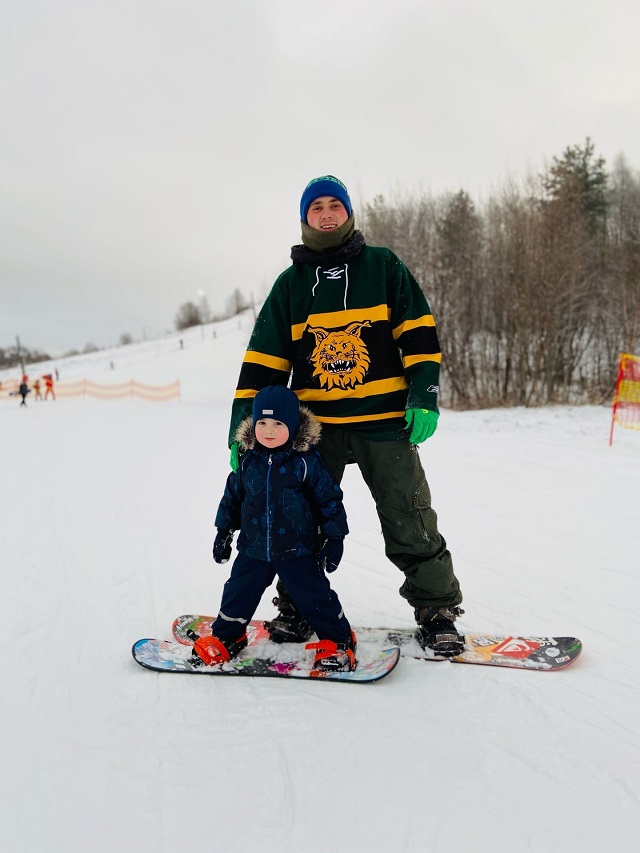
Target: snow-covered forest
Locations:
point(537, 287)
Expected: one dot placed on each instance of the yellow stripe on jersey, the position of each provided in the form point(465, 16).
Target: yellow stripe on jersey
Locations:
point(379, 417)
point(380, 386)
point(340, 319)
point(409, 360)
point(256, 357)
point(425, 320)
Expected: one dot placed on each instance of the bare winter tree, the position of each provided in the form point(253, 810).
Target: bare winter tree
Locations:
point(621, 302)
point(188, 315)
point(236, 303)
point(203, 308)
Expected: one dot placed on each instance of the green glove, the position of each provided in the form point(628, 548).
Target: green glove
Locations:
point(234, 460)
point(424, 424)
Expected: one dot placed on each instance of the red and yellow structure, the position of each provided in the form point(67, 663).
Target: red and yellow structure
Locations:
point(626, 398)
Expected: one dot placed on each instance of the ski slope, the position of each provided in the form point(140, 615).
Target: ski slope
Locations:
point(106, 527)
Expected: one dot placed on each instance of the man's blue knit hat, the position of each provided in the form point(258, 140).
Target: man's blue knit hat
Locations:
point(281, 404)
point(326, 185)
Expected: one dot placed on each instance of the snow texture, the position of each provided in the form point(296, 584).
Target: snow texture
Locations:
point(107, 522)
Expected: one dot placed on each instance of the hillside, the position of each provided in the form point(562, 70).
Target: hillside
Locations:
point(107, 522)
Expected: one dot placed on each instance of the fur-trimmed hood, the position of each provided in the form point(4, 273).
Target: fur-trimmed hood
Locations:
point(308, 434)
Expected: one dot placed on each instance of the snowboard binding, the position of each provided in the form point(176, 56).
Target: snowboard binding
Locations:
point(288, 626)
point(436, 632)
point(212, 651)
point(333, 657)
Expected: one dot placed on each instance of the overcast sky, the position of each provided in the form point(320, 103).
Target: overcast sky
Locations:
point(151, 149)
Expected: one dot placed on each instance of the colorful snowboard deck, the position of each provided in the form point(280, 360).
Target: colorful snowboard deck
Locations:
point(266, 659)
point(507, 650)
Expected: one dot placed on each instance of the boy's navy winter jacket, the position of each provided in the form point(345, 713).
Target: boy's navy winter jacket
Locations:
point(279, 498)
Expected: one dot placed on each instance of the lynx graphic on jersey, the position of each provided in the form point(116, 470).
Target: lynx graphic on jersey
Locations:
point(340, 358)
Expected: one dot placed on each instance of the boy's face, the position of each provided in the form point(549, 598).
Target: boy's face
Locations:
point(327, 214)
point(271, 433)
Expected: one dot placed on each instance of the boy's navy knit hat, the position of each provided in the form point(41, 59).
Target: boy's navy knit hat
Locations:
point(326, 185)
point(281, 404)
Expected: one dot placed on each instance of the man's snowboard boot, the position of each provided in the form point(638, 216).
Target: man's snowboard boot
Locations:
point(288, 626)
point(211, 651)
point(436, 631)
point(333, 657)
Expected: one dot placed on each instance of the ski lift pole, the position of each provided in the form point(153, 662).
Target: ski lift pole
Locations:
point(20, 359)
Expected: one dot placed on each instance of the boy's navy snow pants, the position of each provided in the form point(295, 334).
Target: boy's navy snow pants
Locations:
point(306, 583)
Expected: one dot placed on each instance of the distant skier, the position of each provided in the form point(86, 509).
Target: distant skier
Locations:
point(36, 389)
point(281, 495)
point(48, 384)
point(23, 390)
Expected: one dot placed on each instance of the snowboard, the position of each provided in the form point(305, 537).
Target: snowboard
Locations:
point(537, 653)
point(264, 658)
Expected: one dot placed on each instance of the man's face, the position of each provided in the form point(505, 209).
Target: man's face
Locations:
point(327, 214)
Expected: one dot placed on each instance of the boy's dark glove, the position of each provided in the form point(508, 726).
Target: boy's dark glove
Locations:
point(330, 555)
point(222, 546)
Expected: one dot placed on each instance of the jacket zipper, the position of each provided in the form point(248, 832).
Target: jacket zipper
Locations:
point(268, 513)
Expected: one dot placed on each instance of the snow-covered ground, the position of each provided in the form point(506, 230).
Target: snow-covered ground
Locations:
point(105, 536)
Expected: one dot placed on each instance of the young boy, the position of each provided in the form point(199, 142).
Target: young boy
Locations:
point(288, 509)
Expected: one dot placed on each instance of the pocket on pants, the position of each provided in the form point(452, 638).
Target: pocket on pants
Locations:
point(423, 514)
point(422, 497)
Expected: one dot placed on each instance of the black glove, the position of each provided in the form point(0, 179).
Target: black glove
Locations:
point(222, 546)
point(330, 554)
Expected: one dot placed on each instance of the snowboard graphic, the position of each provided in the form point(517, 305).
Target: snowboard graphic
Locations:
point(536, 653)
point(264, 658)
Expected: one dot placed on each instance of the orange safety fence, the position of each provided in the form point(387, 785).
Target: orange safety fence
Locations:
point(626, 398)
point(158, 393)
point(8, 387)
point(131, 389)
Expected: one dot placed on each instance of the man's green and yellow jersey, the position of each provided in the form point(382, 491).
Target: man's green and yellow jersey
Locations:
point(358, 339)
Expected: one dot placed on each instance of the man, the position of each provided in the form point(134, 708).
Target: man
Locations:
point(351, 330)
